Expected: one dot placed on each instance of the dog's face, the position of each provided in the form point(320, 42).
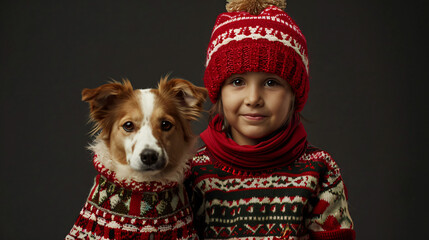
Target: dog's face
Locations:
point(145, 129)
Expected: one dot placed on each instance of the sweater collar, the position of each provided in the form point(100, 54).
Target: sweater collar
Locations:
point(118, 200)
point(152, 186)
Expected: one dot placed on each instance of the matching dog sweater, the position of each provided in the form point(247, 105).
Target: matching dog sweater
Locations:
point(118, 209)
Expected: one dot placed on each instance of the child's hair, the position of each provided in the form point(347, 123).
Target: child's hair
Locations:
point(257, 38)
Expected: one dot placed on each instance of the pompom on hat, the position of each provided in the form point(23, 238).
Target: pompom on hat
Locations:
point(257, 36)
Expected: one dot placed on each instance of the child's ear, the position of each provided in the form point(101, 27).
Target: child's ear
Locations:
point(103, 98)
point(189, 96)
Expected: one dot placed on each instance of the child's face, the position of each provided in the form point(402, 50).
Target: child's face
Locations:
point(255, 104)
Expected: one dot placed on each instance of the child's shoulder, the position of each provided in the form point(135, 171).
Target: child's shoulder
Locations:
point(201, 156)
point(201, 150)
point(316, 155)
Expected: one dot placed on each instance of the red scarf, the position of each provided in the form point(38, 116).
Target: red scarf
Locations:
point(287, 145)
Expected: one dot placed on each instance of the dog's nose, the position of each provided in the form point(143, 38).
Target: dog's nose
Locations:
point(149, 157)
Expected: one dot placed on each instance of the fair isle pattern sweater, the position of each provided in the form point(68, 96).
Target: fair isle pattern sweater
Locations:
point(304, 200)
point(119, 209)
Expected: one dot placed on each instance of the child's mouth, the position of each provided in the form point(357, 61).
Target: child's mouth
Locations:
point(254, 117)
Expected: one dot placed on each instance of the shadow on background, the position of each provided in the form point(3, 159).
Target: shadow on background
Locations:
point(366, 105)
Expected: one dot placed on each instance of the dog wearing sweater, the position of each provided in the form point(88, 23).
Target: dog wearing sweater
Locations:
point(144, 141)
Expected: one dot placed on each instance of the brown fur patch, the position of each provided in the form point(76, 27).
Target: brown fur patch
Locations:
point(103, 100)
point(127, 110)
point(173, 140)
point(110, 105)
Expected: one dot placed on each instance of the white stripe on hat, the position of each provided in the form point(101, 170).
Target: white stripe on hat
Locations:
point(223, 40)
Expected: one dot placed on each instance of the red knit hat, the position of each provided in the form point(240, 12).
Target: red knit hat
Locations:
point(257, 36)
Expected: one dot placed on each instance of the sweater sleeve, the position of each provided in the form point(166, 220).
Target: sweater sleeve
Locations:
point(196, 200)
point(329, 217)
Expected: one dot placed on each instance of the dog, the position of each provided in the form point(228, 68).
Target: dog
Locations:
point(141, 154)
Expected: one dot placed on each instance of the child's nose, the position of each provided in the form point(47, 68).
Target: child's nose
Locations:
point(253, 97)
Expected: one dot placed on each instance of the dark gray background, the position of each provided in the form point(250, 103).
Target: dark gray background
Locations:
point(367, 103)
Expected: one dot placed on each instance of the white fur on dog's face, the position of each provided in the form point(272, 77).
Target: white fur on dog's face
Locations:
point(143, 139)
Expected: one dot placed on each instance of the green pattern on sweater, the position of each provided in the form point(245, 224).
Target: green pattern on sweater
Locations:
point(302, 199)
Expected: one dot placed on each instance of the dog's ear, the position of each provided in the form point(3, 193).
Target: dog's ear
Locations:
point(103, 98)
point(189, 96)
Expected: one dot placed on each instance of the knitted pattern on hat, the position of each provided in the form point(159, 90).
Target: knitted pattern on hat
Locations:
point(269, 42)
point(118, 209)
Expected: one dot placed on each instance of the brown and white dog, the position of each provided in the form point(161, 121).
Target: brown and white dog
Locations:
point(141, 153)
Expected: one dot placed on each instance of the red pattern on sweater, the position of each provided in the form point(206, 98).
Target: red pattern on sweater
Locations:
point(304, 200)
point(118, 209)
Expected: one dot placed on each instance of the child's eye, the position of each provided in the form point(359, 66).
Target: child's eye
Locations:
point(236, 82)
point(271, 83)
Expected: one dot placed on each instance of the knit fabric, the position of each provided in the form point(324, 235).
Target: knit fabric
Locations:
point(288, 144)
point(304, 200)
point(270, 42)
point(132, 210)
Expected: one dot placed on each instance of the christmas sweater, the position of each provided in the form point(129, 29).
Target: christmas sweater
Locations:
point(304, 200)
point(125, 209)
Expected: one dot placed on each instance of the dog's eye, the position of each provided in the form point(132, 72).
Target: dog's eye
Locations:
point(166, 125)
point(128, 126)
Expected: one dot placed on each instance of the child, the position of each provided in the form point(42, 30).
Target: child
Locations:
point(257, 177)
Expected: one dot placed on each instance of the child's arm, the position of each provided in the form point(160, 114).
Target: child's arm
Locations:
point(329, 215)
point(196, 201)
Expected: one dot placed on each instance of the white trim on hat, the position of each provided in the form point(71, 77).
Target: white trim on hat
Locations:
point(223, 40)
